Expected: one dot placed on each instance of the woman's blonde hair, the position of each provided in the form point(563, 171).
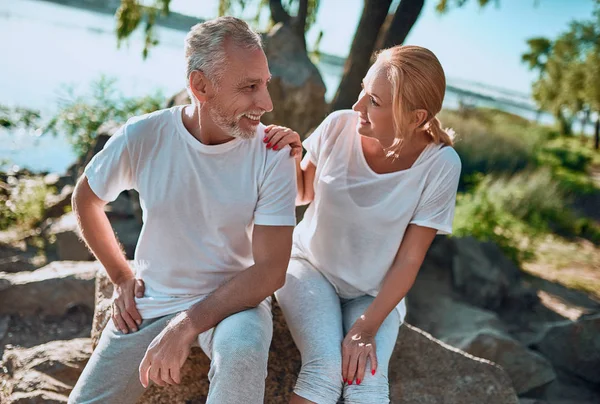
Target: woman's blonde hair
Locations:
point(418, 82)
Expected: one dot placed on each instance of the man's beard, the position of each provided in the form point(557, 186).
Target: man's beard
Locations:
point(231, 126)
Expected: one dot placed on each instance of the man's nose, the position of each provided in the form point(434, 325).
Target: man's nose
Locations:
point(264, 101)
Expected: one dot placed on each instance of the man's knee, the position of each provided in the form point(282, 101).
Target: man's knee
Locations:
point(249, 352)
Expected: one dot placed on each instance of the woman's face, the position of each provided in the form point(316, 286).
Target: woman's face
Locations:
point(374, 106)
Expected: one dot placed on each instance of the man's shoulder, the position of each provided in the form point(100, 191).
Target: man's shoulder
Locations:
point(158, 117)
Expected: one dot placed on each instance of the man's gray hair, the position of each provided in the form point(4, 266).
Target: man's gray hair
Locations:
point(205, 45)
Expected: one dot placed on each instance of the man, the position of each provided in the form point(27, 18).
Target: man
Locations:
point(218, 210)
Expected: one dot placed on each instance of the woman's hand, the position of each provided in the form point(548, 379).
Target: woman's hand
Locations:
point(357, 347)
point(277, 137)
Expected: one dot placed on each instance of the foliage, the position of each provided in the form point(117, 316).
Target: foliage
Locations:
point(22, 202)
point(80, 116)
point(18, 117)
point(132, 13)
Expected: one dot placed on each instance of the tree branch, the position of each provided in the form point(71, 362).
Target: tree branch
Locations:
point(278, 13)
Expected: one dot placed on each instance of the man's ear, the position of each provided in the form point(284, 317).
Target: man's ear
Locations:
point(199, 85)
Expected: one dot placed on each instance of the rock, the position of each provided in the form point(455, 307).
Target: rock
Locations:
point(426, 371)
point(487, 278)
point(127, 232)
point(56, 205)
point(45, 373)
point(4, 323)
point(422, 370)
point(480, 333)
point(297, 89)
point(574, 346)
point(50, 290)
point(69, 244)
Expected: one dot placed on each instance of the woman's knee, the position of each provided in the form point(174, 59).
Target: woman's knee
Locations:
point(373, 390)
point(320, 379)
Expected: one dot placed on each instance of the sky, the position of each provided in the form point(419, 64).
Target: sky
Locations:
point(482, 45)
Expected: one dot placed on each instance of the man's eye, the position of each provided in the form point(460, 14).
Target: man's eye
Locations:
point(251, 87)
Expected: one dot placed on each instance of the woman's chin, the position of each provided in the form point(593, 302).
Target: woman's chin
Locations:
point(364, 129)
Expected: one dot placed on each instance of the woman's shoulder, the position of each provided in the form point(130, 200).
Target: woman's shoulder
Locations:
point(445, 161)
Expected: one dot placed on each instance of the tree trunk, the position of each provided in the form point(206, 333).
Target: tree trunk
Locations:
point(405, 17)
point(359, 59)
point(278, 13)
point(597, 133)
point(298, 23)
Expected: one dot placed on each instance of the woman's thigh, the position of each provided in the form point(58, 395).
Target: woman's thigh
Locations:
point(312, 310)
point(374, 388)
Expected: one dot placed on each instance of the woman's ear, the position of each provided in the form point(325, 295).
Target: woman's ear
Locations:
point(419, 117)
point(199, 85)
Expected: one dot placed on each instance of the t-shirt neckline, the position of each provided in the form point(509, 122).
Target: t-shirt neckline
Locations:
point(360, 151)
point(195, 143)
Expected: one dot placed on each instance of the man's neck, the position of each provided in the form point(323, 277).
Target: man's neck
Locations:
point(199, 125)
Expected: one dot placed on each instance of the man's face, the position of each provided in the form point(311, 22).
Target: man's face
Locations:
point(241, 96)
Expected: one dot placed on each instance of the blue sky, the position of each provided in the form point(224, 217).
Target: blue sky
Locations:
point(482, 45)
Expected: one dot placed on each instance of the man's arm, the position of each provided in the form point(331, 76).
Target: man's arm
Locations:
point(271, 246)
point(101, 240)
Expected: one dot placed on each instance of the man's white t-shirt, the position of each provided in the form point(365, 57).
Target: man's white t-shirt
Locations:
point(199, 204)
point(352, 230)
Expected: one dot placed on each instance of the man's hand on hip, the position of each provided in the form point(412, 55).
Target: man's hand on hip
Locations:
point(124, 312)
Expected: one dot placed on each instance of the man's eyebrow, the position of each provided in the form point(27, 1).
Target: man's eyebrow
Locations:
point(249, 81)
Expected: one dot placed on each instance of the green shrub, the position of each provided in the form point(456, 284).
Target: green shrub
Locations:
point(79, 117)
point(23, 205)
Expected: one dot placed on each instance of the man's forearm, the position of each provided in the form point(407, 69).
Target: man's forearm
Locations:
point(99, 236)
point(244, 291)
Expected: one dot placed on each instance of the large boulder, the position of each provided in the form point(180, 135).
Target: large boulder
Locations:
point(45, 373)
point(574, 347)
point(487, 278)
point(67, 239)
point(50, 290)
point(480, 333)
point(422, 369)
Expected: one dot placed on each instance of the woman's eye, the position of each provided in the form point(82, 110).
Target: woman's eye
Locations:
point(373, 102)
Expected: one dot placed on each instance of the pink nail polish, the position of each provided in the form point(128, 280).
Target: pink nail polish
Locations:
point(345, 380)
point(350, 382)
point(268, 145)
point(373, 372)
point(266, 139)
point(357, 381)
point(275, 147)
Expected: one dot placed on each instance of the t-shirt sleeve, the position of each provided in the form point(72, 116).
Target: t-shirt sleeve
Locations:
point(314, 143)
point(277, 194)
point(110, 171)
point(438, 201)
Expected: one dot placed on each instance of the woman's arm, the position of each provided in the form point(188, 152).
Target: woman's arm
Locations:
point(360, 340)
point(276, 138)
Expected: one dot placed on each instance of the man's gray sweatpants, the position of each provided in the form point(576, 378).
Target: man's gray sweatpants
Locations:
point(238, 347)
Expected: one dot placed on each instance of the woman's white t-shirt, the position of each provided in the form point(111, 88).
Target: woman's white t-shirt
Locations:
point(352, 230)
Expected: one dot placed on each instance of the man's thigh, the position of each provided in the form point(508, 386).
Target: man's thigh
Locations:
point(249, 329)
point(111, 375)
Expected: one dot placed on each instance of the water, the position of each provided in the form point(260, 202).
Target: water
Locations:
point(45, 46)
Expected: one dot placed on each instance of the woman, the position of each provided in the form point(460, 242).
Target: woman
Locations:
point(382, 180)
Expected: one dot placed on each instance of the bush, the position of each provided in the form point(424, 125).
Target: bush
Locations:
point(23, 204)
point(492, 142)
point(80, 116)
